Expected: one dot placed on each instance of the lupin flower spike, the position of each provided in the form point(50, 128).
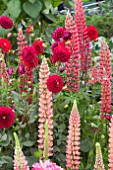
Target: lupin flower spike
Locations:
point(98, 161)
point(73, 143)
point(20, 162)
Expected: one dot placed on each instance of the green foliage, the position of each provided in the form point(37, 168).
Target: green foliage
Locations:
point(34, 7)
point(93, 129)
point(14, 8)
point(102, 23)
point(56, 3)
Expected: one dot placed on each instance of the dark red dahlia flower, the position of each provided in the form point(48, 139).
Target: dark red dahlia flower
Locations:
point(29, 29)
point(29, 57)
point(61, 33)
point(6, 22)
point(38, 46)
point(5, 45)
point(92, 32)
point(55, 83)
point(7, 117)
point(53, 60)
point(58, 33)
point(54, 45)
point(62, 53)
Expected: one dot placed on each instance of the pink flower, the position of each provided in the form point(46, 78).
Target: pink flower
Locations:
point(105, 73)
point(85, 52)
point(21, 69)
point(98, 161)
point(47, 165)
point(45, 109)
point(73, 142)
point(3, 72)
point(20, 162)
point(10, 71)
point(21, 42)
point(67, 35)
point(105, 97)
point(29, 29)
point(105, 69)
point(94, 75)
point(73, 64)
point(110, 155)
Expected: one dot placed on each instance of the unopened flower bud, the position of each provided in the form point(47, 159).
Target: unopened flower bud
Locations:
point(21, 69)
point(10, 71)
point(9, 35)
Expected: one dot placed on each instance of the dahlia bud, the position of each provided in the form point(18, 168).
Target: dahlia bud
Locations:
point(21, 69)
point(29, 29)
point(61, 69)
point(67, 35)
point(9, 35)
point(10, 71)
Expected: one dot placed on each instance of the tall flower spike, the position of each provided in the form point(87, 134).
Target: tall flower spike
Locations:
point(45, 108)
point(105, 62)
point(94, 75)
point(73, 64)
point(110, 156)
point(105, 79)
point(25, 79)
point(46, 142)
point(84, 45)
point(3, 72)
point(20, 162)
point(73, 143)
point(21, 44)
point(21, 41)
point(98, 161)
point(105, 106)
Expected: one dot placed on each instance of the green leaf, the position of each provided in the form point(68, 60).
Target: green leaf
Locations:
point(32, 9)
point(32, 1)
point(51, 17)
point(85, 145)
point(5, 1)
point(28, 143)
point(45, 11)
point(47, 3)
point(55, 3)
point(14, 8)
point(16, 96)
point(31, 160)
point(4, 137)
point(9, 161)
point(38, 153)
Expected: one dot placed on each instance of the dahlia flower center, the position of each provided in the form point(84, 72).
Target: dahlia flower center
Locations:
point(4, 117)
point(92, 32)
point(5, 44)
point(58, 83)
